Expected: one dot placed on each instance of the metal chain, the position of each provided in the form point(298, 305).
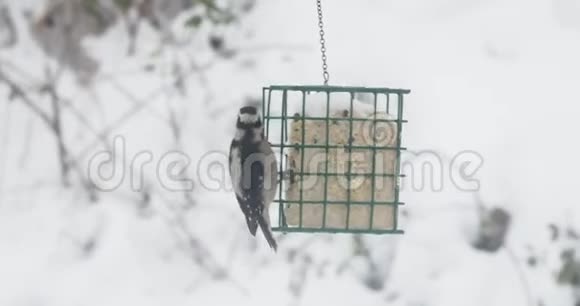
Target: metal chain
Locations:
point(325, 73)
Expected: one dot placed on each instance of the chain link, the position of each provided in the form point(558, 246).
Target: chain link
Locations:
point(325, 73)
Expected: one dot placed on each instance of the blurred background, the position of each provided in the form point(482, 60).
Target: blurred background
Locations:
point(494, 102)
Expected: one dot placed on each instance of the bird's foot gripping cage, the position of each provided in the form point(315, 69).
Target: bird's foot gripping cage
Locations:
point(339, 157)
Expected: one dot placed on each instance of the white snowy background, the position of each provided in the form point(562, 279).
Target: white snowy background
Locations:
point(497, 77)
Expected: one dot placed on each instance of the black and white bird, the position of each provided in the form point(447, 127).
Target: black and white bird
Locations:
point(253, 172)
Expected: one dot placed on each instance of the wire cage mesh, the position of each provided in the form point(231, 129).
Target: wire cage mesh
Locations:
point(339, 157)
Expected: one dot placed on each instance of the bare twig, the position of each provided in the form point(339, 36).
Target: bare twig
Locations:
point(7, 26)
point(139, 105)
point(521, 275)
point(18, 92)
point(133, 32)
point(299, 277)
point(200, 254)
point(4, 132)
point(28, 132)
point(57, 128)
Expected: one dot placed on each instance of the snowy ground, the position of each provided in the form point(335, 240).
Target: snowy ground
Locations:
point(499, 78)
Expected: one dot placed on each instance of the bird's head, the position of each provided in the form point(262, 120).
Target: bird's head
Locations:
point(249, 124)
point(248, 117)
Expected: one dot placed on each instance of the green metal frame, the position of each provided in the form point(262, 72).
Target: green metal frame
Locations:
point(283, 118)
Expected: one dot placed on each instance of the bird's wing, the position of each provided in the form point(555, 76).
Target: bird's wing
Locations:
point(269, 182)
point(235, 162)
point(270, 172)
point(256, 180)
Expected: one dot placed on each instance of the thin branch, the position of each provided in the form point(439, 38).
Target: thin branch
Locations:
point(139, 105)
point(66, 103)
point(57, 128)
point(17, 92)
point(25, 153)
point(4, 132)
point(521, 275)
point(84, 120)
point(200, 254)
point(8, 26)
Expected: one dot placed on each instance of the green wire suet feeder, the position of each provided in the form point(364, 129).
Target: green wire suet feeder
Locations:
point(339, 155)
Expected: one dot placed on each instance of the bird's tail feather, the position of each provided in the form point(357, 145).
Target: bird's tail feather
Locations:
point(252, 226)
point(267, 231)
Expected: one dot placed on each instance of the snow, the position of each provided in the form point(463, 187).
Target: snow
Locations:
point(496, 77)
